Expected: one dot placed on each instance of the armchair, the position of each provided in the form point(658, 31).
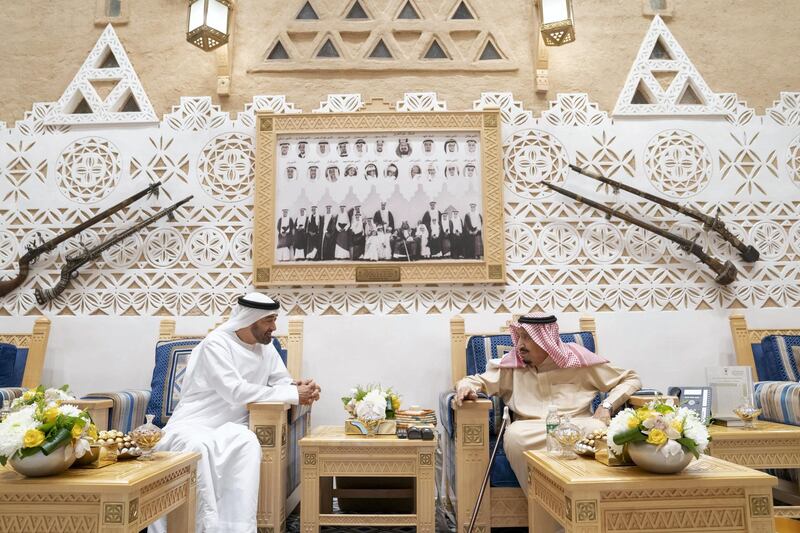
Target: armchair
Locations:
point(278, 427)
point(22, 360)
point(471, 433)
point(774, 355)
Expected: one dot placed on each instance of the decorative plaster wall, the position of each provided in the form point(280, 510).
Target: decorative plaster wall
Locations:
point(734, 44)
point(561, 256)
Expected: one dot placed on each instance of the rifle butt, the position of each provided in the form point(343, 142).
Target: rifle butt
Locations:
point(46, 295)
point(9, 285)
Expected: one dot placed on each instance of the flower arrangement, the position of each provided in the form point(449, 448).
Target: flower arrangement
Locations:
point(372, 402)
point(40, 421)
point(660, 423)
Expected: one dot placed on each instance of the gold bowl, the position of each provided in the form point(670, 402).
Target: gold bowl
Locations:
point(89, 457)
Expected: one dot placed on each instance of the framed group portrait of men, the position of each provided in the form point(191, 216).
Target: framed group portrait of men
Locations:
point(378, 197)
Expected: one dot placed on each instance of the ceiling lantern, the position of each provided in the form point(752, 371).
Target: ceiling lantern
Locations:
point(209, 23)
point(556, 22)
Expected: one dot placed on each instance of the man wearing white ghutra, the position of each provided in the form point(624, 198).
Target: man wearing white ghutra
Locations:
point(234, 365)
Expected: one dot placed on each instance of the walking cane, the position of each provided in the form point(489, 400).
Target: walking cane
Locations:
point(474, 517)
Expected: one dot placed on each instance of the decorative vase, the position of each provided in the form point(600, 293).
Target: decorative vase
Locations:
point(146, 437)
point(648, 457)
point(567, 434)
point(371, 425)
point(39, 464)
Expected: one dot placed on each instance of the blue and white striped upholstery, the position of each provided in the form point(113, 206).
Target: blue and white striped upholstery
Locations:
point(780, 356)
point(127, 410)
point(299, 424)
point(9, 394)
point(779, 401)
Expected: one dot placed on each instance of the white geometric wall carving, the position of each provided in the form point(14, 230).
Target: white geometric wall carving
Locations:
point(107, 67)
point(340, 103)
point(562, 256)
point(421, 102)
point(786, 110)
point(664, 81)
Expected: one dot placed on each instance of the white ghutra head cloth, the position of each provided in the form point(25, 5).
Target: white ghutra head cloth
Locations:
point(543, 329)
point(250, 308)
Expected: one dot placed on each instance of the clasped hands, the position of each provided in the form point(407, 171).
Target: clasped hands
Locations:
point(307, 391)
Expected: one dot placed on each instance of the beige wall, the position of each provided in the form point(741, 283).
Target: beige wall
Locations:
point(748, 47)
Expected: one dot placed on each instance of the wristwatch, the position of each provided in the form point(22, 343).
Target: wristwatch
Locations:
point(606, 405)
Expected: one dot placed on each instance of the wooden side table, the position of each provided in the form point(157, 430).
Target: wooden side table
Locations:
point(586, 496)
point(327, 453)
point(123, 497)
point(768, 445)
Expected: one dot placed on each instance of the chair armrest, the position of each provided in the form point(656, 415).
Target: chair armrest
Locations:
point(447, 408)
point(268, 422)
point(99, 409)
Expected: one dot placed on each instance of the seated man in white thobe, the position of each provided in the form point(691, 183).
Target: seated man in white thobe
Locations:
point(540, 371)
point(234, 365)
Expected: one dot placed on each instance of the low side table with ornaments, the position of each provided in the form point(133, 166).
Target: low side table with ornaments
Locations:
point(584, 495)
point(124, 497)
point(767, 445)
point(328, 453)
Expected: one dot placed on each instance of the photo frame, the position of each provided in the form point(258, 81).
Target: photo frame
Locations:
point(378, 197)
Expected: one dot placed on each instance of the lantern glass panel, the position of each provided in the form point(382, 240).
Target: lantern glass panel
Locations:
point(554, 11)
point(217, 17)
point(196, 15)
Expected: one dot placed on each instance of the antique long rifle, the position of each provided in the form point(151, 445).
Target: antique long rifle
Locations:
point(70, 270)
point(747, 251)
point(726, 272)
point(34, 251)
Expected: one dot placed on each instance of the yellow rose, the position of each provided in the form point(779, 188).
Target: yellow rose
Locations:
point(92, 432)
point(51, 414)
point(77, 429)
point(657, 437)
point(677, 425)
point(643, 414)
point(395, 403)
point(633, 422)
point(28, 395)
point(32, 438)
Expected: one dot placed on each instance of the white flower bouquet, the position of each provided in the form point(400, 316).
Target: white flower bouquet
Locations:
point(372, 402)
point(39, 421)
point(660, 423)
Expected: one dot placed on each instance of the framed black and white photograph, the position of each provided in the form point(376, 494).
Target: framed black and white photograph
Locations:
point(390, 198)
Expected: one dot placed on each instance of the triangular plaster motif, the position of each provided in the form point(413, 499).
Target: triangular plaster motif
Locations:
point(106, 65)
point(662, 59)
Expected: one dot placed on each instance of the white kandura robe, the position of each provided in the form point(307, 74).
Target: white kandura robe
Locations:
point(223, 375)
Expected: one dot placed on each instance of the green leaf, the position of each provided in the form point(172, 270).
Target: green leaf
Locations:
point(663, 408)
point(689, 445)
point(62, 437)
point(631, 435)
point(3, 460)
point(64, 388)
point(27, 452)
